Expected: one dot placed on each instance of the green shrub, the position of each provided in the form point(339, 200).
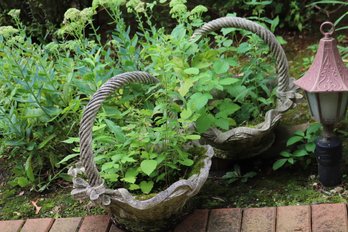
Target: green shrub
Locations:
point(222, 84)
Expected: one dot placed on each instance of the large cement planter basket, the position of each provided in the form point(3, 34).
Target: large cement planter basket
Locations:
point(246, 142)
point(154, 214)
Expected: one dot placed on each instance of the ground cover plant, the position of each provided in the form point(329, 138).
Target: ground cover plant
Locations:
point(224, 80)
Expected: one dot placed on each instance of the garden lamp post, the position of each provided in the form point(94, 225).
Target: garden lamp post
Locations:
point(326, 87)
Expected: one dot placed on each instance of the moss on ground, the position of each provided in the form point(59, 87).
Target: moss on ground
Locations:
point(265, 191)
point(17, 204)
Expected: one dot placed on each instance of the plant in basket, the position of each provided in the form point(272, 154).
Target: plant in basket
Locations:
point(229, 92)
point(146, 164)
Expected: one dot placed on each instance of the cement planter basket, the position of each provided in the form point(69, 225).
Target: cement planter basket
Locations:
point(245, 142)
point(157, 213)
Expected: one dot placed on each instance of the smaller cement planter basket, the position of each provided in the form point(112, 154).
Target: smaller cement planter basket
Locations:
point(155, 214)
point(246, 142)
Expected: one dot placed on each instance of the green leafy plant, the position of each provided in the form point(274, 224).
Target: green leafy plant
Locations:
point(44, 87)
point(300, 146)
point(235, 175)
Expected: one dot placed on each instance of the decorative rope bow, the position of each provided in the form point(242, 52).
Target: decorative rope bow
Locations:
point(83, 190)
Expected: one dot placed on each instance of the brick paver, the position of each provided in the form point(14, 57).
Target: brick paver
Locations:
point(225, 220)
point(294, 218)
point(315, 218)
point(66, 224)
point(259, 219)
point(99, 223)
point(11, 226)
point(329, 218)
point(197, 221)
point(38, 225)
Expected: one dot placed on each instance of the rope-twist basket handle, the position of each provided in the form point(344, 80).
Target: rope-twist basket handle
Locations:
point(90, 113)
point(267, 36)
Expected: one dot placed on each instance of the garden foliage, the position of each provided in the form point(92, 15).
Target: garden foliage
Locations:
point(142, 135)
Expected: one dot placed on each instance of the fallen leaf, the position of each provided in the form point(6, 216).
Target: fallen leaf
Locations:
point(21, 193)
point(17, 213)
point(37, 208)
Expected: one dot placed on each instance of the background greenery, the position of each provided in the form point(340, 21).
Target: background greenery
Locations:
point(43, 16)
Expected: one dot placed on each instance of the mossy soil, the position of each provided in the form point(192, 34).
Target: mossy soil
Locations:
point(291, 186)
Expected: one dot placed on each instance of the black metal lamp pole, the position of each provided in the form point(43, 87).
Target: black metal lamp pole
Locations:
point(328, 152)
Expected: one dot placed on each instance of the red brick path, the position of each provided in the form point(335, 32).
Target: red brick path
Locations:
point(315, 218)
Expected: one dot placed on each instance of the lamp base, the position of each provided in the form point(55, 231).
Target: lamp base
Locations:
point(328, 152)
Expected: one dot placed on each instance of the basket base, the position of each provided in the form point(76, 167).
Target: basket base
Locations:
point(246, 150)
point(147, 226)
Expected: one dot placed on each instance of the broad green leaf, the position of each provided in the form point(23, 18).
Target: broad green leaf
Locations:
point(98, 127)
point(226, 108)
point(130, 176)
point(191, 71)
point(186, 162)
point(179, 32)
point(299, 133)
point(204, 122)
point(310, 147)
point(148, 166)
point(285, 154)
point(34, 113)
point(109, 165)
point(105, 139)
point(221, 66)
point(222, 123)
point(29, 169)
point(232, 61)
point(72, 140)
point(133, 187)
point(227, 43)
point(300, 153)
point(250, 174)
point(49, 138)
point(227, 30)
point(192, 137)
point(185, 87)
point(228, 81)
point(127, 159)
point(68, 157)
point(110, 176)
point(146, 186)
point(279, 163)
point(293, 140)
point(186, 113)
point(31, 146)
point(237, 91)
point(291, 160)
point(23, 182)
point(312, 129)
point(116, 130)
point(274, 23)
point(243, 48)
point(198, 100)
point(281, 40)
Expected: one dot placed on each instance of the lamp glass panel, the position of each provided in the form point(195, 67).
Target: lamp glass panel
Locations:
point(328, 107)
point(344, 103)
point(313, 105)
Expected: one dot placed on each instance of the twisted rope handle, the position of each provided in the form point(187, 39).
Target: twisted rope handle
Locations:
point(90, 113)
point(282, 65)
